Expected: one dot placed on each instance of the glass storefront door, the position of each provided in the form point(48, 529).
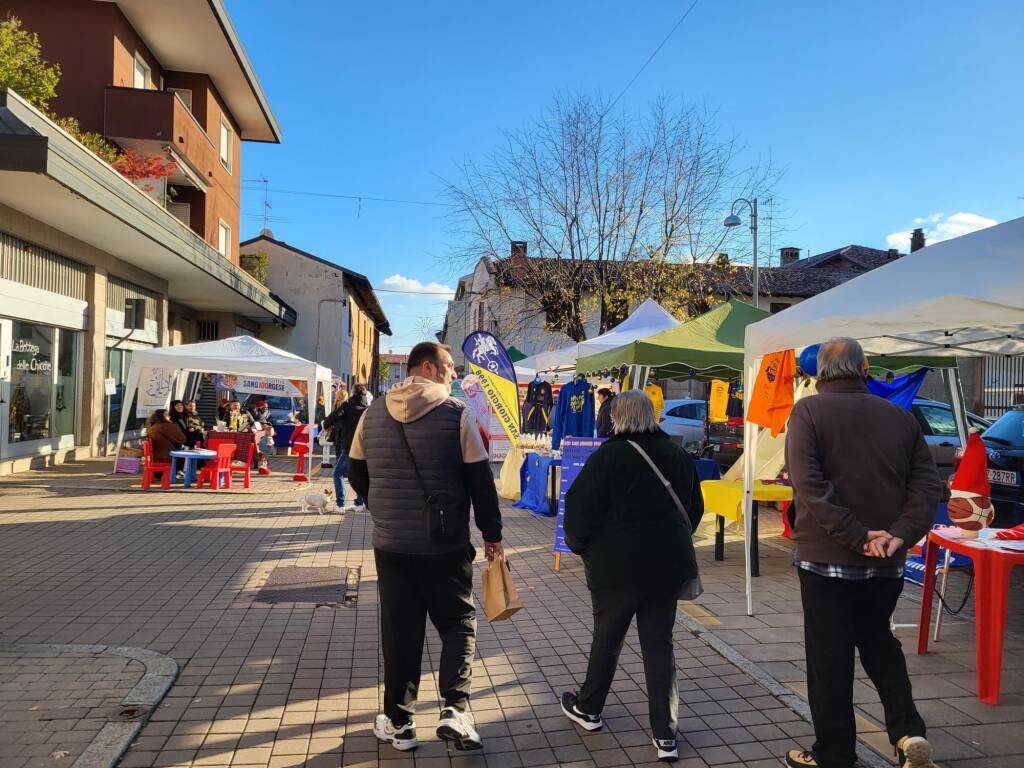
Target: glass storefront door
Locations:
point(39, 382)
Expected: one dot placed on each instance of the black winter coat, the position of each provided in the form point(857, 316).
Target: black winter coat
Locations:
point(622, 520)
point(343, 422)
point(604, 419)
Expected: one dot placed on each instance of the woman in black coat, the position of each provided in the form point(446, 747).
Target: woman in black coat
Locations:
point(604, 412)
point(637, 549)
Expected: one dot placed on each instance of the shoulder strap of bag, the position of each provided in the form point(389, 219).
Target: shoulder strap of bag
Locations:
point(665, 482)
point(408, 449)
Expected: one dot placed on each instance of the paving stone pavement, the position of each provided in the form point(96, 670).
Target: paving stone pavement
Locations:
point(85, 558)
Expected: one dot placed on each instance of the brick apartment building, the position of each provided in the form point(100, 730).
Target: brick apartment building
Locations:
point(77, 239)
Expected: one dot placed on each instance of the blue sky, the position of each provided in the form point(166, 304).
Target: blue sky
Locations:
point(884, 115)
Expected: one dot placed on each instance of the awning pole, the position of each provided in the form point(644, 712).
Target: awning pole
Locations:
point(750, 432)
point(951, 377)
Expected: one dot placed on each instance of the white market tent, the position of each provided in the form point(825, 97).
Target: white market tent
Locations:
point(239, 355)
point(646, 320)
point(958, 298)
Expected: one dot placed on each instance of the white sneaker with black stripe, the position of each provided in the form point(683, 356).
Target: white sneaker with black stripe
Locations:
point(403, 738)
point(571, 709)
point(668, 749)
point(458, 728)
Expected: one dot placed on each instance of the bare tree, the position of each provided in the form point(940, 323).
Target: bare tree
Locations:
point(614, 209)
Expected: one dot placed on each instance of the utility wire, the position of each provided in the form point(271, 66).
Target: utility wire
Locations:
point(358, 198)
point(655, 53)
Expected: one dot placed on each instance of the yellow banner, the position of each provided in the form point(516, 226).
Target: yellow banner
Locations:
point(503, 396)
point(719, 401)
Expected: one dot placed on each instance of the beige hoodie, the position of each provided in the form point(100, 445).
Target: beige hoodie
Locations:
point(413, 399)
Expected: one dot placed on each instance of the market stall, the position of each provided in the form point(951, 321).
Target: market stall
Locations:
point(164, 370)
point(959, 298)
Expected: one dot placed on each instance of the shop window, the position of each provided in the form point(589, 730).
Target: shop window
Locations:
point(119, 362)
point(31, 382)
point(66, 395)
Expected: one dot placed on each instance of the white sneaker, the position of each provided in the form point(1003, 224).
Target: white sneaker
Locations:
point(358, 507)
point(668, 749)
point(403, 739)
point(458, 728)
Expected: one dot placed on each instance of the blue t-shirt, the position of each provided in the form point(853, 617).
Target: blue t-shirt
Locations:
point(574, 412)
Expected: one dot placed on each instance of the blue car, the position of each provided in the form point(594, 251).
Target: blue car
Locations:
point(1005, 443)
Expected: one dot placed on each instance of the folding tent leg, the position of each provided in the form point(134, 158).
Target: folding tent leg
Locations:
point(942, 594)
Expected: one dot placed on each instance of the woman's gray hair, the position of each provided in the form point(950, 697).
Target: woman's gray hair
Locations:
point(632, 412)
point(840, 358)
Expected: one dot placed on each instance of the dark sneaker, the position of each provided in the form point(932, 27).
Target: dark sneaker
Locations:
point(402, 738)
point(458, 728)
point(798, 758)
point(570, 706)
point(914, 752)
point(668, 749)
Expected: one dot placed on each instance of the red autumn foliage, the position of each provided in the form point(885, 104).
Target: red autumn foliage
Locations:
point(135, 167)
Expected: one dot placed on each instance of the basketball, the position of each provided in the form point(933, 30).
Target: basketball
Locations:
point(971, 514)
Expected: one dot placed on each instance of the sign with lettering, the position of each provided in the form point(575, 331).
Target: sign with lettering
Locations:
point(575, 452)
point(250, 385)
point(154, 390)
point(27, 358)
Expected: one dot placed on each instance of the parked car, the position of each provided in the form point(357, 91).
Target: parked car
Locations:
point(1005, 443)
point(725, 440)
point(281, 408)
point(684, 421)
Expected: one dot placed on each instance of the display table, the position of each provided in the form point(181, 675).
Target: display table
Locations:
point(992, 568)
point(534, 483)
point(191, 459)
point(724, 498)
point(508, 477)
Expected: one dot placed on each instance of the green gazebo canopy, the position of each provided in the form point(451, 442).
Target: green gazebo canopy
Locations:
point(707, 347)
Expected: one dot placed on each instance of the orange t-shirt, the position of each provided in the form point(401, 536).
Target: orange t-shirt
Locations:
point(772, 399)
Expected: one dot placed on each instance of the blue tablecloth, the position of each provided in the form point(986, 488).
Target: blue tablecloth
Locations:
point(708, 469)
point(534, 481)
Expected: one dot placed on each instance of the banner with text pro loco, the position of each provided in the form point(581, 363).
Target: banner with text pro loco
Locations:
point(493, 368)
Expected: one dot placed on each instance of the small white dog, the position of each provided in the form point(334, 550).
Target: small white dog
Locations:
point(317, 501)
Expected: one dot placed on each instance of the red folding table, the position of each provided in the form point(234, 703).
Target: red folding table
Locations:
point(992, 568)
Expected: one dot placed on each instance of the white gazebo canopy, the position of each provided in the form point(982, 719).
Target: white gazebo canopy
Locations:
point(959, 298)
point(646, 320)
point(239, 355)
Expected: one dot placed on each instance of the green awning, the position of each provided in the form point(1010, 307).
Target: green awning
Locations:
point(514, 354)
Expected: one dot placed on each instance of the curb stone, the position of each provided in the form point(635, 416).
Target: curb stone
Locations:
point(114, 738)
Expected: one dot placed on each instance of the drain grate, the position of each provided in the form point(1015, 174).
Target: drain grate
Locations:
point(296, 584)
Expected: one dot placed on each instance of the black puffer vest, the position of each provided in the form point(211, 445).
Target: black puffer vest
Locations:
point(396, 501)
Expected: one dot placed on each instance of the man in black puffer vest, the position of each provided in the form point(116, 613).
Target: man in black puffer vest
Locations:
point(418, 460)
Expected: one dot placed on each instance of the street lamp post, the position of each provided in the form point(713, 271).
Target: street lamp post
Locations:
point(732, 220)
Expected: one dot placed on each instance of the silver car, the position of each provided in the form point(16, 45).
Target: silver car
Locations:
point(684, 421)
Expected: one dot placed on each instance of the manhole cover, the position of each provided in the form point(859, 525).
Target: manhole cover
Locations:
point(295, 584)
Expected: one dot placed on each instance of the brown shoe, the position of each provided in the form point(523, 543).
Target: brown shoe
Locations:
point(798, 758)
point(914, 752)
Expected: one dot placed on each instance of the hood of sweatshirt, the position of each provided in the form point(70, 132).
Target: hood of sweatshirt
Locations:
point(414, 398)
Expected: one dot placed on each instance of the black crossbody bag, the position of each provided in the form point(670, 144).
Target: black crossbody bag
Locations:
point(444, 526)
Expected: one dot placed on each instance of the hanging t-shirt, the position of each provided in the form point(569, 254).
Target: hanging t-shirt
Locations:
point(574, 412)
point(537, 407)
point(772, 399)
point(718, 403)
point(901, 391)
point(654, 392)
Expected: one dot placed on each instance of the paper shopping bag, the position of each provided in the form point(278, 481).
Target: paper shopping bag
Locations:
point(501, 599)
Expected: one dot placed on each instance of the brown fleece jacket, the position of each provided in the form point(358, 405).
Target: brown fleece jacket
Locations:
point(858, 463)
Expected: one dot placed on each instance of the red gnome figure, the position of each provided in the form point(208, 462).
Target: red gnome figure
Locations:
point(970, 505)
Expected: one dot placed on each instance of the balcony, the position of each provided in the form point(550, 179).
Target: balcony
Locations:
point(152, 122)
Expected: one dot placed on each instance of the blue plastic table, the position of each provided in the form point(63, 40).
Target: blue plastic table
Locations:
point(533, 484)
point(191, 459)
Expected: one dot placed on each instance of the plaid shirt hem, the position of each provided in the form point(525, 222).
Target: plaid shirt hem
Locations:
point(852, 572)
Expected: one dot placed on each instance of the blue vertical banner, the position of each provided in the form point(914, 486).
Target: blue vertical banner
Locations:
point(493, 368)
point(575, 452)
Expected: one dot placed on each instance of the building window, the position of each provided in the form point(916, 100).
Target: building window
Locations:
point(224, 239)
point(226, 141)
point(208, 330)
point(119, 362)
point(143, 74)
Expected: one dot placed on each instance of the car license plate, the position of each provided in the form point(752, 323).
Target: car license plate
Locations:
point(1003, 477)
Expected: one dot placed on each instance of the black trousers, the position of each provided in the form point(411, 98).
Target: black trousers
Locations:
point(412, 587)
point(655, 617)
point(839, 616)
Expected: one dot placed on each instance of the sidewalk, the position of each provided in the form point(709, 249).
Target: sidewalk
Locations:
point(84, 559)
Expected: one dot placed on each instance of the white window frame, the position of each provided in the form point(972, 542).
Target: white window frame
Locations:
point(224, 240)
point(227, 141)
point(147, 72)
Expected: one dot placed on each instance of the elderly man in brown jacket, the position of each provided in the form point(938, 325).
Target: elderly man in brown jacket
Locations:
point(865, 489)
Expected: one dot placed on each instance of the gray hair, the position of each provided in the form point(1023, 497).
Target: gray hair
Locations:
point(633, 412)
point(840, 358)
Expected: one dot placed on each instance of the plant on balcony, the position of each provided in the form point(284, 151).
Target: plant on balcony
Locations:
point(256, 264)
point(22, 68)
point(136, 167)
point(94, 142)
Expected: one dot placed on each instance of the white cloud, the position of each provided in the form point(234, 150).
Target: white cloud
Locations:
point(411, 285)
point(938, 227)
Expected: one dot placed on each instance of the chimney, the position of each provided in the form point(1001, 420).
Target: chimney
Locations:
point(267, 232)
point(894, 253)
point(518, 249)
point(788, 256)
point(917, 240)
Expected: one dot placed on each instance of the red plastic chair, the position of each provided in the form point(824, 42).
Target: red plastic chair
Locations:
point(218, 468)
point(301, 449)
point(244, 466)
point(150, 467)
